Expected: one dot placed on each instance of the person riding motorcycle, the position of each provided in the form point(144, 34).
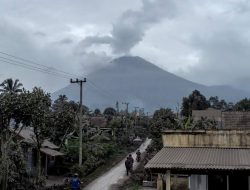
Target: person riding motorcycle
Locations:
point(138, 155)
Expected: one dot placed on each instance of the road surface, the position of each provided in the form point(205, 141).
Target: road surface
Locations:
point(117, 173)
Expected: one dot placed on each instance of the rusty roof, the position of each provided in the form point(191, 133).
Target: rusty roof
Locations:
point(200, 158)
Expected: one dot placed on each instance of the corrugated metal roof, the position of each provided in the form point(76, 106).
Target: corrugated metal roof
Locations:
point(51, 152)
point(201, 158)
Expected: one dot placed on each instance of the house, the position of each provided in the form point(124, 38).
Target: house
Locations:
point(212, 159)
point(225, 119)
point(49, 151)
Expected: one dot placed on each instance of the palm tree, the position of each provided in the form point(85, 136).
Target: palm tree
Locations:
point(10, 86)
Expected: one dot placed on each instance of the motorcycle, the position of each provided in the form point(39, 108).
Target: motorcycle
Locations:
point(138, 158)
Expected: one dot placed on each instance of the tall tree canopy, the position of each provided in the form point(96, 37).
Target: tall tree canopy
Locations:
point(97, 111)
point(242, 105)
point(28, 109)
point(217, 104)
point(11, 86)
point(163, 118)
point(195, 101)
point(109, 111)
point(63, 119)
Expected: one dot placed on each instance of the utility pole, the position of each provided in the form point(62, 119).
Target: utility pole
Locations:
point(136, 113)
point(117, 107)
point(126, 103)
point(80, 116)
point(136, 109)
point(142, 111)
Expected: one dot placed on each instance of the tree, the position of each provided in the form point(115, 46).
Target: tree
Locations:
point(217, 104)
point(39, 103)
point(62, 119)
point(10, 86)
point(195, 101)
point(20, 109)
point(109, 111)
point(205, 123)
point(97, 111)
point(163, 119)
point(214, 101)
point(243, 105)
point(12, 107)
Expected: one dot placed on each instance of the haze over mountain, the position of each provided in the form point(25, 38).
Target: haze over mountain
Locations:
point(142, 84)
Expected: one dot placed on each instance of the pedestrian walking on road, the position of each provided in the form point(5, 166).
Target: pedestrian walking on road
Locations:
point(130, 157)
point(128, 165)
point(75, 182)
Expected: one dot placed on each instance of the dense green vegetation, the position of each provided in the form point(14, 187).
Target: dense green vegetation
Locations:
point(58, 122)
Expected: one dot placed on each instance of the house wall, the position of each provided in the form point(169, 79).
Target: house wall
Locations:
point(207, 138)
point(29, 163)
point(226, 120)
point(236, 119)
point(198, 182)
point(209, 113)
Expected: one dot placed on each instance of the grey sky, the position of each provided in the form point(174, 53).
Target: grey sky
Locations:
point(204, 41)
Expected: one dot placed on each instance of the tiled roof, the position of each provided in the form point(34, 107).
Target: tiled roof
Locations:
point(199, 158)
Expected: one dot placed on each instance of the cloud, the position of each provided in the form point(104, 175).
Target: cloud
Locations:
point(40, 34)
point(204, 41)
point(224, 55)
point(92, 40)
point(131, 26)
point(15, 40)
point(92, 61)
point(66, 41)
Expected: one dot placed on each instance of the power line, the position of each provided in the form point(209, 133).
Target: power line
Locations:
point(34, 69)
point(35, 63)
point(31, 65)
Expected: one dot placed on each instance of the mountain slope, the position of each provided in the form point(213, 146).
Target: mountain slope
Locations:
point(134, 80)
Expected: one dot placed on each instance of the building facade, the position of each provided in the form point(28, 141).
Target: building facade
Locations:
point(212, 159)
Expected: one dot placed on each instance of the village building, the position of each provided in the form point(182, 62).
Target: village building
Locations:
point(212, 159)
point(224, 119)
point(49, 151)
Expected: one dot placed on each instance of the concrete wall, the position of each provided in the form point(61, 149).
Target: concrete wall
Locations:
point(198, 182)
point(207, 138)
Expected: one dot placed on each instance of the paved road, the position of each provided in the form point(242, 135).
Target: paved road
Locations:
point(117, 173)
